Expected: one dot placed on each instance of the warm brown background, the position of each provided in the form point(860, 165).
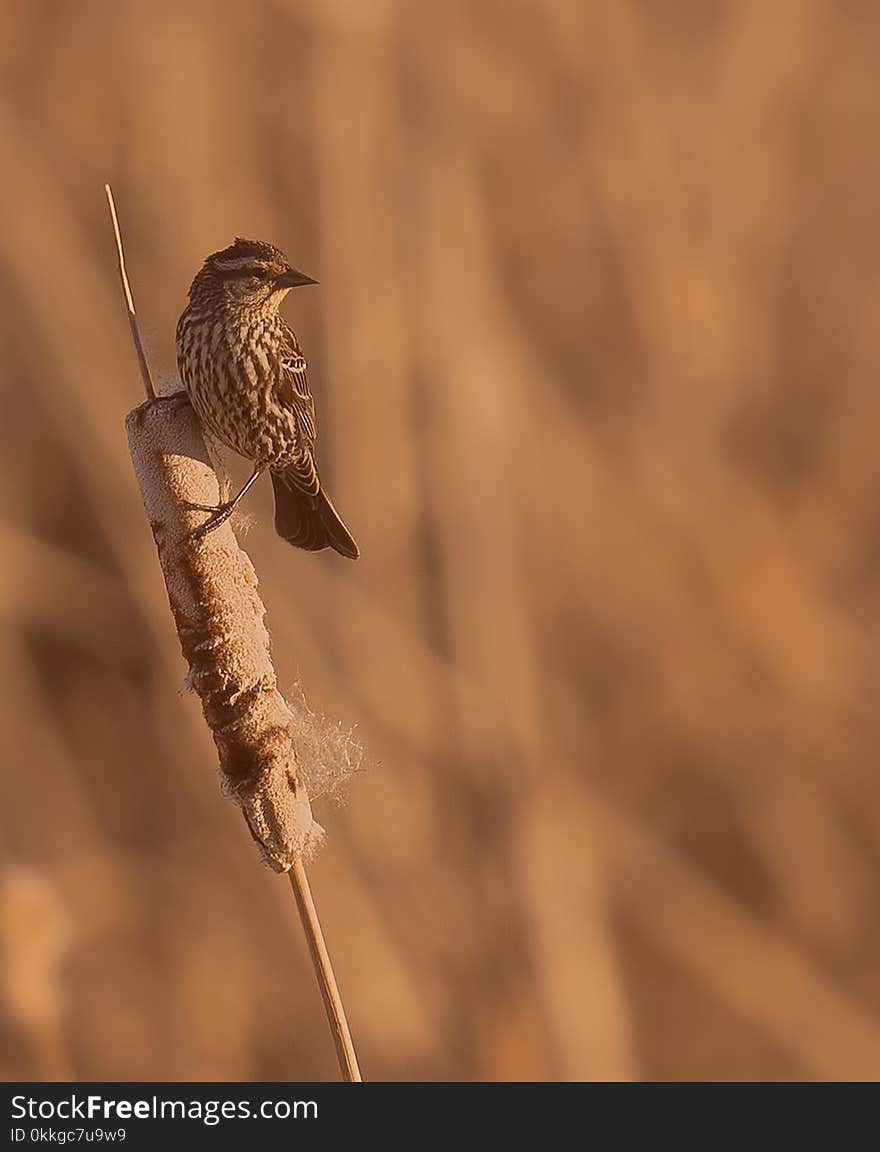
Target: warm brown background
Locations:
point(596, 354)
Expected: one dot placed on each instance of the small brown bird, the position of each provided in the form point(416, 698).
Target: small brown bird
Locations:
point(247, 379)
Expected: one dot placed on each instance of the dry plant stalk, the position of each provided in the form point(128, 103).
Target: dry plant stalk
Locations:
point(212, 590)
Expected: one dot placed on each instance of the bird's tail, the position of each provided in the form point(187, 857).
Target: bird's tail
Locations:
point(309, 522)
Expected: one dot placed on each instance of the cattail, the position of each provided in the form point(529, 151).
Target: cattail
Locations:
point(212, 591)
point(34, 938)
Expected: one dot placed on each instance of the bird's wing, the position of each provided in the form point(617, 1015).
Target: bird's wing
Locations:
point(293, 394)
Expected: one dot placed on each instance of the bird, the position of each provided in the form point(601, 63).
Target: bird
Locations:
point(247, 379)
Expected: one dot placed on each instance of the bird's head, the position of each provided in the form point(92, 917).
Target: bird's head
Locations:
point(248, 274)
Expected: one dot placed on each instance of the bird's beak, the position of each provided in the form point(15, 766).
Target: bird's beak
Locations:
point(290, 278)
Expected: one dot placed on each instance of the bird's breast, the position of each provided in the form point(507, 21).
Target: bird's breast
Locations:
point(231, 373)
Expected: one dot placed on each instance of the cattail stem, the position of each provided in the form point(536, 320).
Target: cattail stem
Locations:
point(212, 589)
point(149, 388)
point(333, 1005)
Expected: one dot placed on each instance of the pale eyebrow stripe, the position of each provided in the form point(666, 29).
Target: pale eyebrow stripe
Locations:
point(236, 263)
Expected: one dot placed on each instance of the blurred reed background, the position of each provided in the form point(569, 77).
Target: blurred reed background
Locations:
point(596, 354)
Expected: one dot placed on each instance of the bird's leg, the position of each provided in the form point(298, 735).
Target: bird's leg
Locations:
point(222, 512)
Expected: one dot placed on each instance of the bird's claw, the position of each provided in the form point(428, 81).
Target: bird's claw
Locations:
point(206, 507)
point(219, 515)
